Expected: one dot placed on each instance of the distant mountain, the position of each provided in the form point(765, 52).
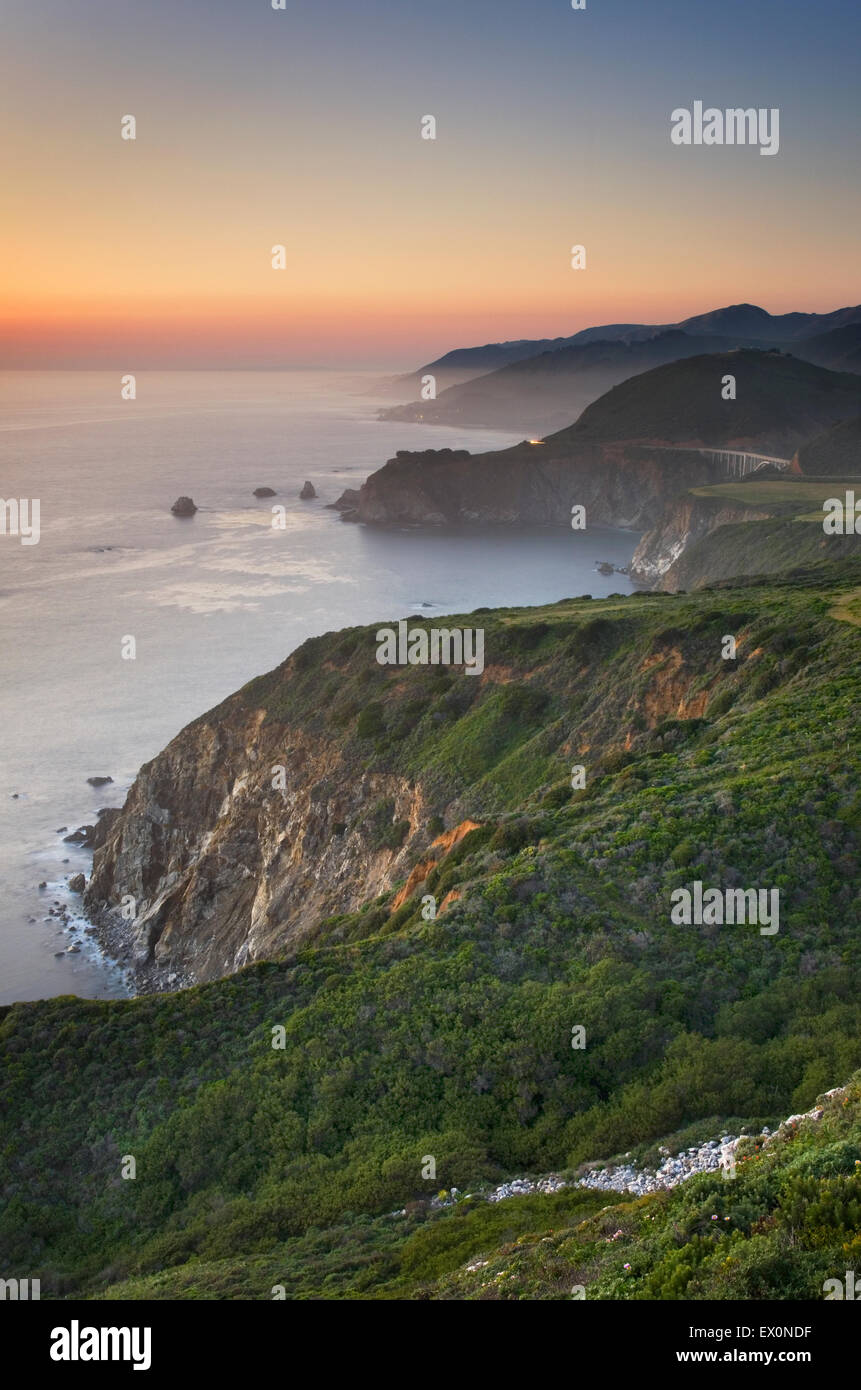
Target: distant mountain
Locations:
point(541, 392)
point(546, 392)
point(628, 453)
point(494, 355)
point(781, 401)
point(748, 320)
point(839, 349)
point(464, 364)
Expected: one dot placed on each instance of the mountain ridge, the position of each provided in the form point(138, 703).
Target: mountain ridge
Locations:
point(747, 324)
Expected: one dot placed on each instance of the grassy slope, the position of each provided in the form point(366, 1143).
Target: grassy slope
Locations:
point(790, 494)
point(452, 1038)
point(788, 535)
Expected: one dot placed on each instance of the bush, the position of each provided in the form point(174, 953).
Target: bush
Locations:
point(720, 704)
point(370, 723)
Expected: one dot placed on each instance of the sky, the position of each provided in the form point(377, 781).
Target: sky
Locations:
point(302, 128)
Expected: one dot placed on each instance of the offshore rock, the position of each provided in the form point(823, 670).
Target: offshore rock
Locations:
point(183, 506)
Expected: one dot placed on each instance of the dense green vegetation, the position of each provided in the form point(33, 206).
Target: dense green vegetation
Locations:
point(678, 403)
point(260, 1165)
point(789, 1220)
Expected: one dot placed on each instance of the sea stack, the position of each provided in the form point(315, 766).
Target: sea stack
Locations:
point(183, 506)
point(307, 491)
point(264, 492)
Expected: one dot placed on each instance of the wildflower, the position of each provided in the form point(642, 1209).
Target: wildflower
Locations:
point(626, 1266)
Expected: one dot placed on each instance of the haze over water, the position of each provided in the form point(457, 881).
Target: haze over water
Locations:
point(211, 601)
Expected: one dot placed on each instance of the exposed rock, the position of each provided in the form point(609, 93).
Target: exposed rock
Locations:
point(203, 826)
point(183, 506)
point(307, 492)
point(442, 844)
point(521, 1187)
point(705, 1158)
point(82, 836)
point(619, 483)
point(684, 520)
point(94, 836)
point(347, 502)
point(99, 781)
point(77, 883)
point(264, 492)
point(704, 539)
point(224, 870)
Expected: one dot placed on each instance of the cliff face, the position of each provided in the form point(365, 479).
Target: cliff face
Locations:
point(334, 780)
point(618, 484)
point(761, 547)
point(705, 539)
point(683, 522)
point(223, 868)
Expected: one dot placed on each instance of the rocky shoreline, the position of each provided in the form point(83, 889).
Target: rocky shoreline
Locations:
point(88, 933)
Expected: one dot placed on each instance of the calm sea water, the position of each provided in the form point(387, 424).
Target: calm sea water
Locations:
point(210, 601)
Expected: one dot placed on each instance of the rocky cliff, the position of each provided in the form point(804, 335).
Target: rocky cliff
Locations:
point(223, 867)
point(684, 521)
point(702, 538)
point(334, 780)
point(619, 484)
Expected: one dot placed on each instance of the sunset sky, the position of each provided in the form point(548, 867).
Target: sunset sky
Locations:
point(302, 127)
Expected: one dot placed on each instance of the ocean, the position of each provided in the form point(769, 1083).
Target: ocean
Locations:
point(210, 601)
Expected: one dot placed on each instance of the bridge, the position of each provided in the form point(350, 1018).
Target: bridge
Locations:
point(738, 463)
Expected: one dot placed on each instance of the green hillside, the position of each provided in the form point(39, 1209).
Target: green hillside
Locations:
point(780, 401)
point(405, 1038)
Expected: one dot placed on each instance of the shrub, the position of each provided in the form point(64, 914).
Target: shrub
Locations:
point(370, 722)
